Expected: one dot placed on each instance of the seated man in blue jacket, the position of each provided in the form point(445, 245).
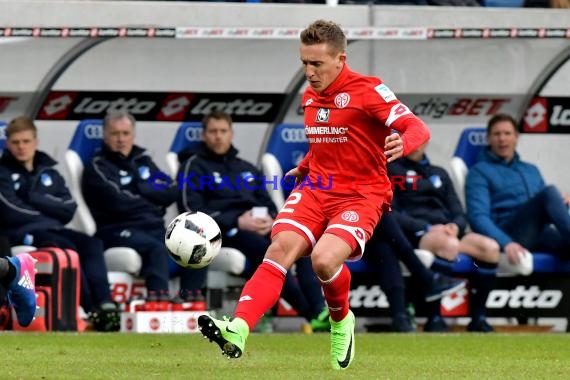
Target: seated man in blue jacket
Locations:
point(35, 205)
point(508, 200)
point(127, 204)
point(231, 190)
point(432, 218)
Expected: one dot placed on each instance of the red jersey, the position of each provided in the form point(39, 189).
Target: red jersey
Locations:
point(346, 126)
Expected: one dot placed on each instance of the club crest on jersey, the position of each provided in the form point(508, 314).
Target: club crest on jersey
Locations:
point(342, 100)
point(323, 115)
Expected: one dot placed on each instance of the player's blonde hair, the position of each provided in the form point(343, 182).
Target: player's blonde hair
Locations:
point(327, 32)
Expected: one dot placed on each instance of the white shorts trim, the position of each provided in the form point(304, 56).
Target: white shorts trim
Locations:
point(305, 230)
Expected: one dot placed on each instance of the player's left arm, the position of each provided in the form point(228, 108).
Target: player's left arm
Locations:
point(383, 105)
point(413, 131)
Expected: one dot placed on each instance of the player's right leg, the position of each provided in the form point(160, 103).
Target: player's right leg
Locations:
point(230, 335)
point(259, 294)
point(342, 342)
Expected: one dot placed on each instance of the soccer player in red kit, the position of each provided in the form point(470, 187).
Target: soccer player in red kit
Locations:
point(342, 190)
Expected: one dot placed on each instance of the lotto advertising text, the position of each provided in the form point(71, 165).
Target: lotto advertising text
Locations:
point(161, 181)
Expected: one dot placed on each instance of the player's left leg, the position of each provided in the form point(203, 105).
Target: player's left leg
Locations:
point(351, 225)
point(328, 262)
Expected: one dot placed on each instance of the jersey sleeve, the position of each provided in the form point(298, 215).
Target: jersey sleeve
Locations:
point(383, 105)
point(304, 164)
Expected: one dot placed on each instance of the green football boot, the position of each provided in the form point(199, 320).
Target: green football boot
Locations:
point(230, 335)
point(342, 341)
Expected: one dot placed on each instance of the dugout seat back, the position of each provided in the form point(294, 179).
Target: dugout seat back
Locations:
point(471, 142)
point(286, 147)
point(2, 136)
point(3, 125)
point(188, 135)
point(86, 141)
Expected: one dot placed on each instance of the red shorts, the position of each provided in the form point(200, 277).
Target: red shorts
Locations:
point(350, 217)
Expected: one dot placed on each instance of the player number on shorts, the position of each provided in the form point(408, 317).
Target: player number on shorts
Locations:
point(293, 199)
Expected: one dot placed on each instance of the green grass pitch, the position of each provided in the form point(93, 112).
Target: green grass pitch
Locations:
point(284, 356)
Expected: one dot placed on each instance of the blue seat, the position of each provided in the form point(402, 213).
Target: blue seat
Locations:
point(188, 135)
point(503, 3)
point(547, 263)
point(2, 135)
point(470, 143)
point(286, 147)
point(86, 141)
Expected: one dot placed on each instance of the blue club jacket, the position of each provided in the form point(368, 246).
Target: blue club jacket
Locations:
point(495, 189)
point(117, 190)
point(236, 186)
point(31, 201)
point(430, 200)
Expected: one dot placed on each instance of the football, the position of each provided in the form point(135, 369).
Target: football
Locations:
point(193, 239)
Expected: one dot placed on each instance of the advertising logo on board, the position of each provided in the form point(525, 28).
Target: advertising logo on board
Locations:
point(535, 118)
point(547, 115)
point(159, 106)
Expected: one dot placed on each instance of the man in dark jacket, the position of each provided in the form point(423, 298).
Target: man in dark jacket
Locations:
point(429, 211)
point(126, 203)
point(216, 181)
point(35, 205)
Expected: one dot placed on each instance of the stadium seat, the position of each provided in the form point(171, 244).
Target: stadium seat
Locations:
point(187, 136)
point(84, 143)
point(503, 3)
point(286, 147)
point(2, 135)
point(468, 147)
